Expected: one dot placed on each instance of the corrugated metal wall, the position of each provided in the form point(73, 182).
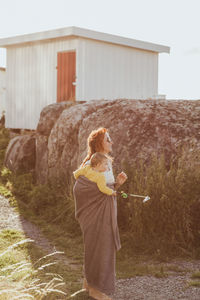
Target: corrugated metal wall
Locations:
point(2, 90)
point(32, 80)
point(111, 72)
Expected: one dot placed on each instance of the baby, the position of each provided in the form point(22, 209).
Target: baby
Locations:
point(94, 172)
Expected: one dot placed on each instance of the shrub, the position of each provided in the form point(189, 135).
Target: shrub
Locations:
point(4, 140)
point(164, 223)
point(54, 202)
point(22, 184)
point(195, 224)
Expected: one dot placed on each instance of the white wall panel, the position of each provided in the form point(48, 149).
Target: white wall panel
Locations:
point(32, 80)
point(112, 72)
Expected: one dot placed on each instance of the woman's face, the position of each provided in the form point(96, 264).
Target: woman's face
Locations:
point(107, 143)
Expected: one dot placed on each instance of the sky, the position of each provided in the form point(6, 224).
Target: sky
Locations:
point(173, 23)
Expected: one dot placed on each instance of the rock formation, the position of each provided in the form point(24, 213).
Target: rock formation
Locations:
point(20, 153)
point(48, 118)
point(137, 128)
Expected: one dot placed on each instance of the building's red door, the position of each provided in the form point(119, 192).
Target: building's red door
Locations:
point(66, 76)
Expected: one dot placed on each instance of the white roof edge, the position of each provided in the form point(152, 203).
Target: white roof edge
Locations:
point(85, 33)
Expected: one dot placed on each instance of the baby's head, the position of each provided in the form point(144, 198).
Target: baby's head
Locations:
point(99, 162)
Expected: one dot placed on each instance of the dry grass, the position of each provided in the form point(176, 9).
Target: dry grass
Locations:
point(27, 280)
point(196, 275)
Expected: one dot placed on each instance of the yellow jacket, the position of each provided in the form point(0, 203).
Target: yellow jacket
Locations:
point(94, 176)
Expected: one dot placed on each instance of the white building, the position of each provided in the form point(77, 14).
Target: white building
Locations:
point(2, 90)
point(75, 64)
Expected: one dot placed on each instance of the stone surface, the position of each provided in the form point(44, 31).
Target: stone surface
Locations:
point(137, 128)
point(49, 115)
point(20, 153)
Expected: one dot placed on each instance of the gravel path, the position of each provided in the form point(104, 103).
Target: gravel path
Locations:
point(10, 219)
point(175, 286)
point(151, 288)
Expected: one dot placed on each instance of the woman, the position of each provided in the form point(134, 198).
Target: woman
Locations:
point(97, 216)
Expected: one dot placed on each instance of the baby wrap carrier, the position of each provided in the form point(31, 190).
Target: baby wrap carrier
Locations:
point(96, 213)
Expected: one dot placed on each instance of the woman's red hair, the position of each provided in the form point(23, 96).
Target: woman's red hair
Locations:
point(95, 143)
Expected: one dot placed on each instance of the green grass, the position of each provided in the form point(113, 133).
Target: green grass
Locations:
point(22, 263)
point(194, 283)
point(132, 267)
point(196, 275)
point(5, 191)
point(130, 264)
point(176, 269)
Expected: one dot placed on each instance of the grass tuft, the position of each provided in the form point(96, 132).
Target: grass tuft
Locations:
point(196, 275)
point(21, 281)
point(194, 283)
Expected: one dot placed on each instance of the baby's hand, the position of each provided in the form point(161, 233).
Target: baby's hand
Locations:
point(121, 178)
point(114, 193)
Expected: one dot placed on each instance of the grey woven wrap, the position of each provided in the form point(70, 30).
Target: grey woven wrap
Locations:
point(97, 215)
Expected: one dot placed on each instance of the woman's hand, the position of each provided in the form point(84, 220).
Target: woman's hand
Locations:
point(121, 178)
